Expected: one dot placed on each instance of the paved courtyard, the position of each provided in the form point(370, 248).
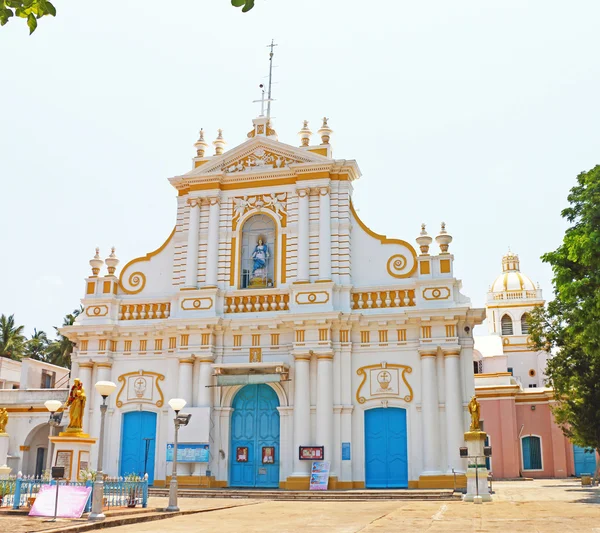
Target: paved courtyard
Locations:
point(545, 506)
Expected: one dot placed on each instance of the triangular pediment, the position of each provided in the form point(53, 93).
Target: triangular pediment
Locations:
point(259, 154)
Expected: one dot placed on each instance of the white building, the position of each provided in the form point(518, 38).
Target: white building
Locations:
point(512, 296)
point(24, 387)
point(284, 322)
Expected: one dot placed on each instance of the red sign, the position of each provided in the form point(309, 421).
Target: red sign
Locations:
point(268, 455)
point(312, 453)
point(241, 454)
point(71, 501)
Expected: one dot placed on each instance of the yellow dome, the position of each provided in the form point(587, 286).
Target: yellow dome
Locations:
point(511, 278)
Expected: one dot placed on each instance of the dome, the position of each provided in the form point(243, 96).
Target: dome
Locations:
point(511, 278)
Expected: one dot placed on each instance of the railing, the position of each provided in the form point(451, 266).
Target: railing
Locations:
point(517, 295)
point(255, 303)
point(144, 311)
point(383, 299)
point(20, 492)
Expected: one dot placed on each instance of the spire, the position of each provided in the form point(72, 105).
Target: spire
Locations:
point(424, 240)
point(443, 239)
point(201, 145)
point(510, 262)
point(271, 53)
point(305, 134)
point(219, 143)
point(96, 263)
point(325, 131)
point(111, 262)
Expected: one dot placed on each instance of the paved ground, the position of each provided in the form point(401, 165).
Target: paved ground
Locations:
point(543, 506)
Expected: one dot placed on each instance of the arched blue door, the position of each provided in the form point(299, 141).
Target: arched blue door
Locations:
point(138, 443)
point(254, 435)
point(386, 462)
point(585, 460)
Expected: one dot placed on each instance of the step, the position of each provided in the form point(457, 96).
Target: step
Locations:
point(330, 495)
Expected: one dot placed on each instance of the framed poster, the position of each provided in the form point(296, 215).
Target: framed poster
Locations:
point(345, 451)
point(64, 458)
point(312, 453)
point(241, 454)
point(319, 475)
point(83, 461)
point(268, 455)
point(189, 453)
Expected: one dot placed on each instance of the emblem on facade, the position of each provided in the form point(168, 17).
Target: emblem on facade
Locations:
point(384, 380)
point(259, 159)
point(276, 203)
point(140, 387)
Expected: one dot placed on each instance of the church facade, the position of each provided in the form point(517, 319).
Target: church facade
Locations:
point(291, 329)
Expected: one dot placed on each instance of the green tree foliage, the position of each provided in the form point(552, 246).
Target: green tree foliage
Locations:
point(246, 5)
point(60, 350)
point(12, 340)
point(37, 346)
point(32, 10)
point(569, 326)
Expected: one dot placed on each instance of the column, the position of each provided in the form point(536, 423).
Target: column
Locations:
point(345, 473)
point(85, 375)
point(191, 268)
point(303, 236)
point(324, 429)
point(204, 393)
point(185, 391)
point(454, 409)
point(212, 250)
point(430, 412)
point(301, 411)
point(324, 234)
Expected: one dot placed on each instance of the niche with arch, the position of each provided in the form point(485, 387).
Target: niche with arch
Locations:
point(258, 252)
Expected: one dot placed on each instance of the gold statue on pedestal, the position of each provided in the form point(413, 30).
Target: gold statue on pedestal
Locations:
point(3, 421)
point(76, 405)
point(474, 410)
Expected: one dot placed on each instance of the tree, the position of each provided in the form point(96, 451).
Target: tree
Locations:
point(12, 340)
point(32, 10)
point(60, 350)
point(37, 346)
point(569, 326)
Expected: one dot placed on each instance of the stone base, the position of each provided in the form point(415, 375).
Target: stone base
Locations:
point(78, 447)
point(5, 471)
point(190, 482)
point(442, 481)
point(477, 474)
point(4, 438)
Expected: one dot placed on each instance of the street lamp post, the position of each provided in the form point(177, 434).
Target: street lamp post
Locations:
point(177, 404)
point(104, 388)
point(55, 419)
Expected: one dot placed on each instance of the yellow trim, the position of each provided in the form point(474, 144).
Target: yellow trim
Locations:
point(199, 307)
point(24, 448)
point(319, 151)
point(147, 257)
point(91, 287)
point(312, 297)
point(384, 240)
point(445, 266)
point(475, 436)
point(493, 375)
point(492, 306)
point(79, 461)
point(283, 258)
point(104, 365)
point(361, 372)
point(86, 439)
point(159, 377)
point(96, 311)
point(232, 264)
point(106, 287)
point(443, 481)
point(424, 267)
point(439, 293)
point(186, 361)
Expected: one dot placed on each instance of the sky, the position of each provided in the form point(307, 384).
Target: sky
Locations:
point(478, 114)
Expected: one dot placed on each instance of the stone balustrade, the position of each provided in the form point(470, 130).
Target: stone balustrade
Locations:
point(256, 302)
point(368, 299)
point(144, 311)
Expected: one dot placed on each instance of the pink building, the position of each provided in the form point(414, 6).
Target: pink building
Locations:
point(510, 385)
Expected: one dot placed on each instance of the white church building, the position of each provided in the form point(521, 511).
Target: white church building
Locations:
point(291, 329)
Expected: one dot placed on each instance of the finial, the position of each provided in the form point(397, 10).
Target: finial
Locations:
point(96, 263)
point(305, 134)
point(325, 131)
point(424, 240)
point(111, 262)
point(219, 143)
point(510, 262)
point(200, 144)
point(443, 239)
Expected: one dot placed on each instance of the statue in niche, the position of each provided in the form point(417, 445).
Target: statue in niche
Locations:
point(260, 255)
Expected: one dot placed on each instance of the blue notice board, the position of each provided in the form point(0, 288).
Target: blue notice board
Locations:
point(189, 453)
point(345, 451)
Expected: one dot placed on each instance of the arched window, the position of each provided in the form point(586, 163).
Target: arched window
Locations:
point(258, 253)
point(524, 324)
point(531, 447)
point(507, 325)
point(477, 367)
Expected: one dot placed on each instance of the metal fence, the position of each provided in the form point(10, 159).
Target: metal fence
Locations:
point(21, 491)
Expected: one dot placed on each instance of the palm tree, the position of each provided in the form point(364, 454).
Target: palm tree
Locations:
point(37, 346)
point(12, 340)
point(59, 350)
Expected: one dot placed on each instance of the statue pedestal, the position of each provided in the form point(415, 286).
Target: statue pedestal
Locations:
point(4, 469)
point(72, 450)
point(476, 481)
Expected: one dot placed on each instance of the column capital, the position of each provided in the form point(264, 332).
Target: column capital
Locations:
point(302, 356)
point(212, 200)
point(428, 352)
point(324, 191)
point(451, 352)
point(194, 202)
point(189, 361)
point(302, 191)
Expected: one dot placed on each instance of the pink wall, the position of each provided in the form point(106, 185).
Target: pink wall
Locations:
point(503, 418)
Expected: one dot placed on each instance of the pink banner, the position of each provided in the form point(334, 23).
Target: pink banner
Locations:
point(71, 501)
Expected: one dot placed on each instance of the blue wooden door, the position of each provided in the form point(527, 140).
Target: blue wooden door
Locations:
point(138, 444)
point(254, 426)
point(386, 462)
point(585, 460)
